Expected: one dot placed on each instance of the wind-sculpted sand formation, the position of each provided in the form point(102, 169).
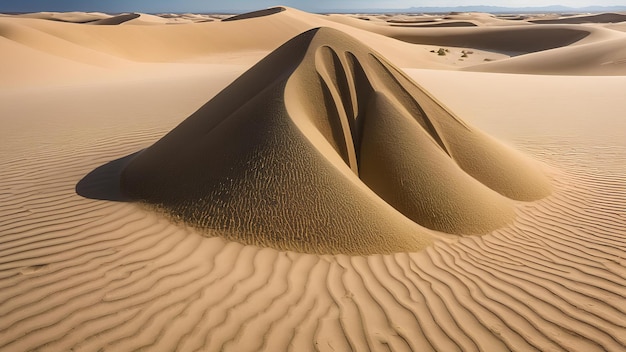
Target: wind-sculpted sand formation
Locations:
point(325, 147)
point(322, 182)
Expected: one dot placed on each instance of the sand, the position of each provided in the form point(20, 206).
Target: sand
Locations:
point(539, 133)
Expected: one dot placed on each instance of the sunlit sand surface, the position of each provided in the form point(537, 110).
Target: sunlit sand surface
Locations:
point(178, 182)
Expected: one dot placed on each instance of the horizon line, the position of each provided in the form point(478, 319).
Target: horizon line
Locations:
point(423, 9)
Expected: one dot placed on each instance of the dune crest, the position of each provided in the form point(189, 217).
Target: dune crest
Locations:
point(325, 147)
point(116, 20)
point(255, 14)
point(596, 18)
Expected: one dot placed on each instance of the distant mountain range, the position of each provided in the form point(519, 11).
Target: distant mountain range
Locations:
point(490, 9)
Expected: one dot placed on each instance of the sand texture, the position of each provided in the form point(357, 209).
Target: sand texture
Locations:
point(291, 181)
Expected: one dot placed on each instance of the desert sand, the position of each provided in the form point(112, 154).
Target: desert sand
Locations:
point(281, 180)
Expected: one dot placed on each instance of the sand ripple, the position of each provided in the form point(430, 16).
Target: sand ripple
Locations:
point(85, 274)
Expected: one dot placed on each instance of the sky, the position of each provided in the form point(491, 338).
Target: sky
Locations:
point(249, 5)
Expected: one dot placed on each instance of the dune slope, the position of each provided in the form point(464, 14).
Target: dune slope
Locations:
point(255, 14)
point(597, 18)
point(116, 20)
point(515, 40)
point(297, 154)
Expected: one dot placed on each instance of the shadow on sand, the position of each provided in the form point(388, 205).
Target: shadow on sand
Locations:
point(103, 183)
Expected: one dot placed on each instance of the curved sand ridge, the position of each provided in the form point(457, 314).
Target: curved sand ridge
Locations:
point(255, 14)
point(326, 147)
point(442, 24)
point(72, 17)
point(116, 20)
point(598, 18)
point(509, 39)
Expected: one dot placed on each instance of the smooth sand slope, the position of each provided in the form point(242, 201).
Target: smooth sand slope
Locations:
point(84, 268)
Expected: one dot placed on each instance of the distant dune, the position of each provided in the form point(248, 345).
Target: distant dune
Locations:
point(444, 24)
point(505, 39)
point(116, 20)
point(255, 14)
point(72, 17)
point(599, 18)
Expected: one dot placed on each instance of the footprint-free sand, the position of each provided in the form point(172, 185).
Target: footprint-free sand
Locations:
point(293, 181)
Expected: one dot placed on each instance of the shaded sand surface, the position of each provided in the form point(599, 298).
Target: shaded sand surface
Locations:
point(91, 274)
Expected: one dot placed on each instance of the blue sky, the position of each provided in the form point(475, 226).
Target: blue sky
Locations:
point(247, 5)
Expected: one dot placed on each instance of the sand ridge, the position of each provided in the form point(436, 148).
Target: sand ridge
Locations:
point(255, 14)
point(597, 18)
point(491, 40)
point(534, 46)
point(116, 20)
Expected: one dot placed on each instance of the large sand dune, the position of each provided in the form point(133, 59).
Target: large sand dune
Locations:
point(84, 268)
point(597, 18)
point(289, 154)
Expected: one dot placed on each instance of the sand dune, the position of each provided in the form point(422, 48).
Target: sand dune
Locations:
point(600, 58)
point(115, 20)
point(161, 43)
point(84, 269)
point(442, 24)
point(599, 18)
point(73, 17)
point(530, 46)
point(508, 37)
point(255, 14)
point(523, 40)
point(520, 39)
point(267, 173)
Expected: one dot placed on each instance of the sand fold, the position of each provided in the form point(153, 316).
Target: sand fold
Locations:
point(326, 147)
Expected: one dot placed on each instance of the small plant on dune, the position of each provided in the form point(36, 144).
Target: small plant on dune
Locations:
point(466, 53)
point(441, 52)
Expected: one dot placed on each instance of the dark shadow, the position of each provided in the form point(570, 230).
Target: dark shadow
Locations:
point(116, 20)
point(255, 14)
point(103, 183)
point(600, 18)
point(410, 21)
point(66, 21)
point(431, 25)
point(503, 40)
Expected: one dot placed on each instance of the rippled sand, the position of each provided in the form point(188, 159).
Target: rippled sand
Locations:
point(84, 268)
